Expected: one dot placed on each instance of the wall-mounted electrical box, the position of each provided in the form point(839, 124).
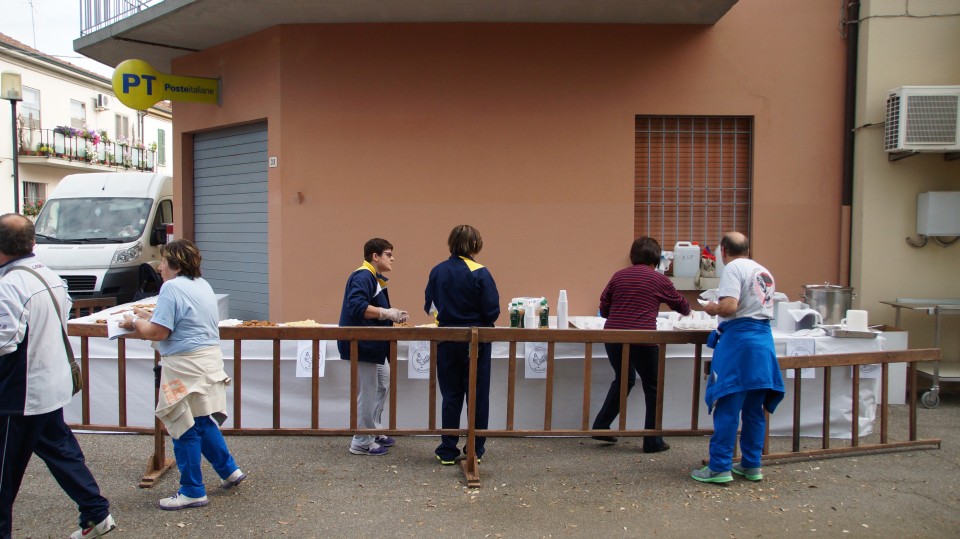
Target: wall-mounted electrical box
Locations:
point(938, 213)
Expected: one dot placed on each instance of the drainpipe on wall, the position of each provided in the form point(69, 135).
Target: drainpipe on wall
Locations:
point(851, 26)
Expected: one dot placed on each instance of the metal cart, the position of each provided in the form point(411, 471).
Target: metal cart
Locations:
point(937, 308)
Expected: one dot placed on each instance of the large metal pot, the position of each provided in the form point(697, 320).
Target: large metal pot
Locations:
point(830, 300)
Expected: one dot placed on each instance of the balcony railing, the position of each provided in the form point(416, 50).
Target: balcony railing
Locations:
point(97, 14)
point(51, 144)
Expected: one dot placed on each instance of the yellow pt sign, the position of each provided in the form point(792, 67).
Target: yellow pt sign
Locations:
point(139, 86)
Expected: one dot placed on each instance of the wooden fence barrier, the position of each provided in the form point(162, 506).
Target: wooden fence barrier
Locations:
point(158, 463)
point(87, 306)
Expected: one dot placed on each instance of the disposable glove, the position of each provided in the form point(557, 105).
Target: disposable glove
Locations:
point(394, 315)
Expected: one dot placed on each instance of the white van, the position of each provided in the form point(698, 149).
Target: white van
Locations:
point(97, 230)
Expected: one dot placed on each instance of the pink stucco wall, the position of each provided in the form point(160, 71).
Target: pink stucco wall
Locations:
point(524, 131)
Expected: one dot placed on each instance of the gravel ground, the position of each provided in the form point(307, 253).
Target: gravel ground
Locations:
point(532, 487)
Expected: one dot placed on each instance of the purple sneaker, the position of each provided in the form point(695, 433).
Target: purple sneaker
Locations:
point(373, 450)
point(385, 441)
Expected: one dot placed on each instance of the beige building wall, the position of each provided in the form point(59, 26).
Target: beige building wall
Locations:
point(902, 43)
point(525, 131)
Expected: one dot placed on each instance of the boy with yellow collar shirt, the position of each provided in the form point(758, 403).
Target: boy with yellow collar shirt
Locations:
point(366, 303)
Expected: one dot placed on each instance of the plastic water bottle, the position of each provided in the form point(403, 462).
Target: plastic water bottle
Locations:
point(562, 311)
point(530, 318)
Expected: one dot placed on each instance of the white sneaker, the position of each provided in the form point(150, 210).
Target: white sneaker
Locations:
point(179, 501)
point(104, 527)
point(233, 480)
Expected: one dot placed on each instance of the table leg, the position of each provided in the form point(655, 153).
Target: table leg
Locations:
point(931, 399)
point(936, 344)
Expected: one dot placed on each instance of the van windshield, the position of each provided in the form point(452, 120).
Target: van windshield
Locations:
point(92, 220)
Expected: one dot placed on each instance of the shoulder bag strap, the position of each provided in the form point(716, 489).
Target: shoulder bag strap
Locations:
point(56, 306)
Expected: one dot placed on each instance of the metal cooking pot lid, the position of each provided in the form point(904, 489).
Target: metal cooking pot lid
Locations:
point(827, 287)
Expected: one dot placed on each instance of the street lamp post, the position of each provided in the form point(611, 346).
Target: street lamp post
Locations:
point(12, 91)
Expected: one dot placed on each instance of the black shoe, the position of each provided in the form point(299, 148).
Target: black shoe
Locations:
point(608, 439)
point(663, 447)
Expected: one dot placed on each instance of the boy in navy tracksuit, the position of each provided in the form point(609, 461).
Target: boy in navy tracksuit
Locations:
point(462, 293)
point(366, 303)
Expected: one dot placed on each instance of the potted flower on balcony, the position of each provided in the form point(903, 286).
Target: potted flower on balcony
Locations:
point(32, 210)
point(45, 151)
point(90, 153)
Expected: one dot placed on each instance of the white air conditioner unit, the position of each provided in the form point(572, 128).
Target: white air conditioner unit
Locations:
point(923, 119)
point(103, 102)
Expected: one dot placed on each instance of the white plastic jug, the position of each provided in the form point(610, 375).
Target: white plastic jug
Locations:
point(686, 259)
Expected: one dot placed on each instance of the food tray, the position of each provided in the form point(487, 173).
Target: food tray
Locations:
point(835, 331)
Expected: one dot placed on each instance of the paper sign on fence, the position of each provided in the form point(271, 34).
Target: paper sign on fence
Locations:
point(802, 347)
point(418, 359)
point(535, 365)
point(305, 359)
point(870, 371)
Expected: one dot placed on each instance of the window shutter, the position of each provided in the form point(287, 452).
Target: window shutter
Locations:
point(692, 177)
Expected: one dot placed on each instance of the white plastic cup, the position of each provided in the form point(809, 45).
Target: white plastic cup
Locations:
point(562, 311)
point(856, 320)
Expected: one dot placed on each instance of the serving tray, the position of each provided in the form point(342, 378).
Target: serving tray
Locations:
point(836, 331)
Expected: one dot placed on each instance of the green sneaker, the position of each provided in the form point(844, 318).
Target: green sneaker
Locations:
point(446, 462)
point(706, 475)
point(753, 474)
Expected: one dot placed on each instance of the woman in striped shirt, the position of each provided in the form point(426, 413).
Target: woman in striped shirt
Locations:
point(631, 300)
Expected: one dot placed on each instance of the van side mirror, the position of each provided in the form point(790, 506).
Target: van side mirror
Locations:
point(158, 236)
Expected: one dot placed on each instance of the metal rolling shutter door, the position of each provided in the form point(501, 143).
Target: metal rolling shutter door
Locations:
point(230, 216)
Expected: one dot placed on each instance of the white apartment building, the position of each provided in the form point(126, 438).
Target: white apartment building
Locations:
point(69, 122)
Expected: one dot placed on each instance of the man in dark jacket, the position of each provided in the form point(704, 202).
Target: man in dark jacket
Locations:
point(366, 303)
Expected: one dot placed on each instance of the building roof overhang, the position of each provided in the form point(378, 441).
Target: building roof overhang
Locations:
point(172, 28)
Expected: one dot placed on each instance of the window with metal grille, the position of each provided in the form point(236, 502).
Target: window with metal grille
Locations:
point(692, 177)
point(78, 114)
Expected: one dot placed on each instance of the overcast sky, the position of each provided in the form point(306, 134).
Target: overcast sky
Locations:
point(50, 26)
